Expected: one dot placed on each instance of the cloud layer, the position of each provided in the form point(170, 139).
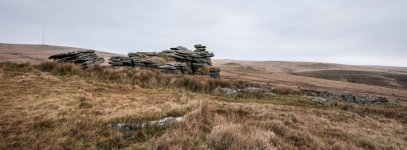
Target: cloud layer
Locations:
point(363, 32)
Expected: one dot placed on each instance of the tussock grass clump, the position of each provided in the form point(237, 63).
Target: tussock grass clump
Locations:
point(397, 112)
point(288, 138)
point(60, 68)
point(282, 90)
point(9, 69)
point(236, 136)
point(200, 119)
point(145, 78)
point(191, 133)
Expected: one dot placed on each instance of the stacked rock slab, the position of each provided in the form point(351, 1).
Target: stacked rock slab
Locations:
point(214, 72)
point(145, 59)
point(119, 61)
point(86, 58)
point(177, 60)
point(199, 60)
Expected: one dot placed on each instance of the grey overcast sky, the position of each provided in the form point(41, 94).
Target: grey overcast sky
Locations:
point(362, 32)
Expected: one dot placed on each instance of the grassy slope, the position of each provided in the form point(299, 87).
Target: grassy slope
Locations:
point(363, 77)
point(66, 109)
point(283, 73)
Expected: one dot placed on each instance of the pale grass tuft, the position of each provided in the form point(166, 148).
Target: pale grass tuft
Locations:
point(237, 136)
point(189, 134)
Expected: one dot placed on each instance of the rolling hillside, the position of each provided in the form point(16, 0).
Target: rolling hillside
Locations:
point(272, 72)
point(37, 53)
point(301, 74)
point(282, 106)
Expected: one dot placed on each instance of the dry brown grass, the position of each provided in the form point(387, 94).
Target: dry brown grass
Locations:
point(138, 77)
point(284, 90)
point(389, 111)
point(236, 136)
point(70, 108)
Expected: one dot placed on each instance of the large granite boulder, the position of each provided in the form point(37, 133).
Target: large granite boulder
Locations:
point(86, 58)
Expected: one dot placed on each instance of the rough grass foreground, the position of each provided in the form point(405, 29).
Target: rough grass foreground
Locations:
point(70, 108)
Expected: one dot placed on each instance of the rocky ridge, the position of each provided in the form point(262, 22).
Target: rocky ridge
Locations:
point(176, 60)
